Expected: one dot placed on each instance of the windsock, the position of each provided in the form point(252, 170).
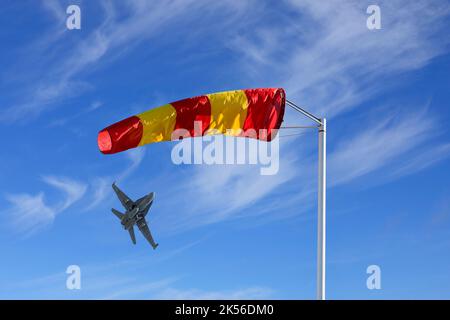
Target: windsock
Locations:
point(235, 113)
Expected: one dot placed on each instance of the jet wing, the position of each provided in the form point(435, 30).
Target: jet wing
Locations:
point(146, 199)
point(118, 214)
point(126, 202)
point(143, 227)
point(133, 237)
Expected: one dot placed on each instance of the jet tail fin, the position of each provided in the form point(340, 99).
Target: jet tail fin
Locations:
point(118, 214)
point(132, 235)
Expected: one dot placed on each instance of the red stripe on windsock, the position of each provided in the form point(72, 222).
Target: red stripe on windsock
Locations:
point(191, 110)
point(120, 136)
point(265, 111)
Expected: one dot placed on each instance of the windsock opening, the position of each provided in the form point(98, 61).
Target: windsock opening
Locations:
point(104, 141)
point(121, 136)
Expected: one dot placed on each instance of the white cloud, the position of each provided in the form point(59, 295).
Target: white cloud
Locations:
point(102, 282)
point(98, 282)
point(63, 121)
point(251, 293)
point(124, 25)
point(95, 105)
point(72, 189)
point(327, 59)
point(329, 62)
point(395, 142)
point(423, 160)
point(31, 213)
point(56, 9)
point(216, 193)
point(135, 156)
point(101, 188)
point(379, 144)
point(136, 290)
point(321, 52)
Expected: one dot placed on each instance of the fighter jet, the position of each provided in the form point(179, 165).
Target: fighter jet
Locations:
point(135, 214)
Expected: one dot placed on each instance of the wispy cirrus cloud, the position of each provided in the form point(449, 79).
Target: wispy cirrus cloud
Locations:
point(100, 189)
point(383, 143)
point(31, 213)
point(98, 282)
point(422, 160)
point(63, 121)
point(104, 284)
point(102, 281)
point(73, 190)
point(135, 157)
point(139, 290)
point(124, 25)
point(329, 61)
point(57, 10)
point(389, 144)
point(212, 194)
point(101, 186)
point(249, 293)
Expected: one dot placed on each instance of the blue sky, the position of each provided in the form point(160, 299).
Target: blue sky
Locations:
point(225, 231)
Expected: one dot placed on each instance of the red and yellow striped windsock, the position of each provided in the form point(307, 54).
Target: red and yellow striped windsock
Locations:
point(231, 112)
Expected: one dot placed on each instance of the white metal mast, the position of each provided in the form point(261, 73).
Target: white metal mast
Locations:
point(321, 199)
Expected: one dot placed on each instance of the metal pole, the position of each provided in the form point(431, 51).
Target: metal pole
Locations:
point(321, 205)
point(321, 210)
point(303, 111)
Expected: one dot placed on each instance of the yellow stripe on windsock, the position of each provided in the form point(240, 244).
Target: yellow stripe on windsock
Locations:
point(228, 111)
point(158, 124)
